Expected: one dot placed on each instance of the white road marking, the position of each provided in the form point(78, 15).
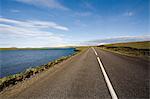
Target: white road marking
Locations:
point(109, 85)
point(95, 51)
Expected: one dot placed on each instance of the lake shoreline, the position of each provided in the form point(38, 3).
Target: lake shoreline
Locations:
point(15, 61)
point(3, 49)
point(28, 73)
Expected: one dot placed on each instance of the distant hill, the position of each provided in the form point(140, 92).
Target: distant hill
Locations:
point(138, 45)
point(12, 48)
point(130, 48)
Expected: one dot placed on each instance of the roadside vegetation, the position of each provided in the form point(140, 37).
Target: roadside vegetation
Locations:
point(130, 48)
point(30, 72)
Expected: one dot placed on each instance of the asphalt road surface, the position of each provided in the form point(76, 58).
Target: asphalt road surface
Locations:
point(81, 77)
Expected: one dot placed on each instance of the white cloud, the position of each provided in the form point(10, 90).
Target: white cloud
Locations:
point(44, 24)
point(128, 14)
point(15, 11)
point(34, 24)
point(54, 4)
point(29, 33)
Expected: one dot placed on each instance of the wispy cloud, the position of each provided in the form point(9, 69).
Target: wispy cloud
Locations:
point(78, 23)
point(82, 14)
point(15, 10)
point(88, 5)
point(34, 24)
point(29, 33)
point(54, 4)
point(129, 13)
point(118, 40)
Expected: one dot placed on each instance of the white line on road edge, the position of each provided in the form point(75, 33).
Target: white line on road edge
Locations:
point(109, 85)
point(95, 51)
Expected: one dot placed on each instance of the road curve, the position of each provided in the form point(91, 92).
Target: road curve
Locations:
point(80, 77)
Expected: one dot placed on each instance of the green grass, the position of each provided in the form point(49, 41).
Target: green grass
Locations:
point(138, 45)
point(82, 48)
point(129, 48)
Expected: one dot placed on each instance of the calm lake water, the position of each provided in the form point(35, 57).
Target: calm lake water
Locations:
point(14, 61)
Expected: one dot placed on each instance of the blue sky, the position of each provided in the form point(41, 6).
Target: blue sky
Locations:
point(55, 23)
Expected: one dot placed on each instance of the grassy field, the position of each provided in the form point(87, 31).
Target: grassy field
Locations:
point(129, 48)
point(138, 45)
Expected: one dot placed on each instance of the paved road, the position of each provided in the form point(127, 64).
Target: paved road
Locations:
point(80, 77)
point(129, 75)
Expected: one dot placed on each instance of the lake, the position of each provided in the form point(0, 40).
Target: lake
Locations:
point(15, 61)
